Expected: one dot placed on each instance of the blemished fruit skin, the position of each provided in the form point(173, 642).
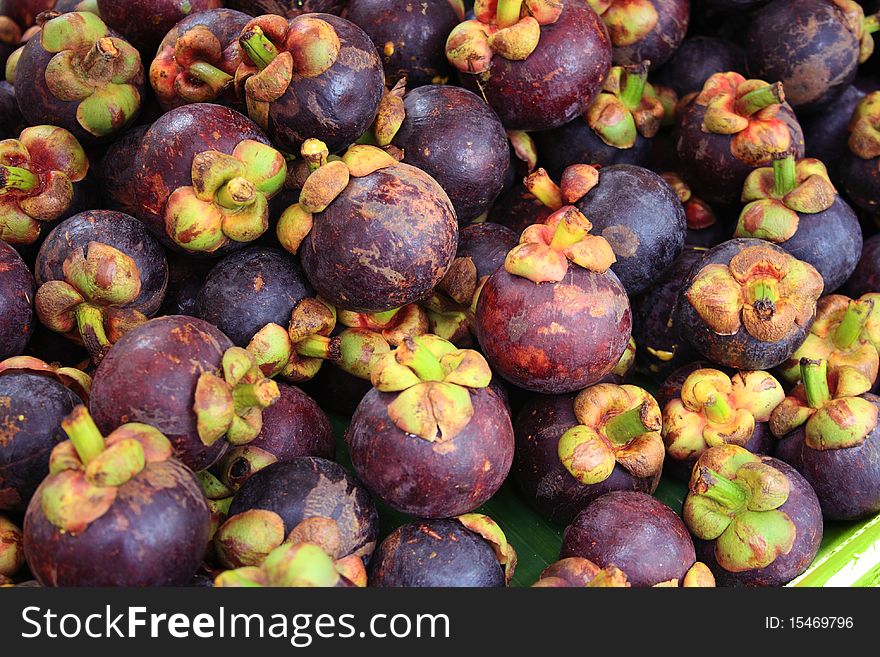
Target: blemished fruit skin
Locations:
point(435, 553)
point(428, 479)
point(635, 532)
point(145, 22)
point(16, 302)
point(803, 508)
point(577, 143)
point(658, 45)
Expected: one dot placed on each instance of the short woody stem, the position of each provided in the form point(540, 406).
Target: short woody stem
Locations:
point(316, 346)
point(17, 178)
point(508, 12)
point(102, 53)
point(566, 235)
point(544, 189)
point(90, 323)
point(758, 99)
point(634, 85)
point(262, 393)
point(84, 434)
point(871, 24)
point(210, 75)
point(850, 327)
point(315, 153)
point(260, 50)
point(237, 193)
point(814, 374)
point(722, 490)
point(632, 423)
point(715, 405)
point(784, 174)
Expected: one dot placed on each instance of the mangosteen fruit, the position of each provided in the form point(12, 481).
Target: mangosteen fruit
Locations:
point(826, 131)
point(538, 63)
point(731, 127)
point(289, 8)
point(452, 135)
point(411, 43)
point(16, 302)
point(866, 276)
point(204, 177)
point(41, 180)
point(795, 206)
point(293, 426)
point(146, 22)
point(10, 38)
point(554, 318)
point(715, 409)
point(34, 398)
point(846, 333)
point(571, 450)
point(748, 304)
point(812, 46)
point(11, 120)
point(115, 511)
point(313, 76)
point(644, 29)
point(697, 59)
point(577, 572)
point(640, 216)
point(192, 384)
point(80, 75)
point(374, 234)
point(615, 129)
point(756, 521)
point(635, 532)
point(197, 60)
point(300, 565)
point(517, 207)
point(832, 439)
point(186, 276)
point(11, 549)
point(306, 499)
point(705, 227)
point(468, 551)
point(117, 171)
point(432, 438)
point(858, 169)
point(100, 274)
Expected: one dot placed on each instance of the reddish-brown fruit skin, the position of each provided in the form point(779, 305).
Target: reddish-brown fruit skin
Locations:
point(164, 159)
point(541, 476)
point(846, 481)
point(518, 326)
point(517, 209)
point(706, 162)
point(117, 171)
point(336, 106)
point(435, 553)
point(452, 135)
point(295, 426)
point(155, 534)
point(740, 350)
point(559, 79)
point(307, 487)
point(635, 532)
point(419, 37)
point(39, 106)
point(661, 42)
point(115, 229)
point(150, 376)
point(866, 277)
point(807, 46)
point(31, 409)
point(432, 480)
point(486, 244)
point(384, 242)
point(803, 508)
point(146, 22)
point(577, 143)
point(16, 302)
point(289, 8)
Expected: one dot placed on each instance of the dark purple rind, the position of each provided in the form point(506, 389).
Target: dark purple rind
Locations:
point(117, 171)
point(658, 45)
point(289, 8)
point(11, 120)
point(146, 22)
point(295, 426)
point(16, 302)
point(866, 276)
point(696, 60)
point(486, 245)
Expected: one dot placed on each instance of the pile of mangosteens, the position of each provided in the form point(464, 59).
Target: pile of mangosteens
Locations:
point(324, 293)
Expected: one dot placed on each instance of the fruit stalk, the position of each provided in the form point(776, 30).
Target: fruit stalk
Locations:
point(508, 12)
point(784, 174)
point(90, 323)
point(627, 425)
point(258, 47)
point(210, 75)
point(757, 99)
point(634, 85)
point(722, 490)
point(814, 374)
point(850, 327)
point(236, 194)
point(17, 178)
point(84, 434)
point(715, 405)
point(261, 394)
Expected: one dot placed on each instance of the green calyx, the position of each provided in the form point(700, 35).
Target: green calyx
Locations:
point(358, 347)
point(17, 178)
point(229, 197)
point(618, 424)
point(735, 500)
point(86, 471)
point(489, 530)
point(289, 566)
point(814, 375)
point(431, 377)
point(853, 323)
point(239, 463)
point(626, 107)
point(757, 99)
point(233, 405)
point(77, 380)
point(247, 538)
point(259, 49)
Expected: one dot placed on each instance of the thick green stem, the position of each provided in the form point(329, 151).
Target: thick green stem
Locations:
point(544, 189)
point(84, 434)
point(632, 423)
point(421, 361)
point(871, 23)
point(17, 178)
point(784, 175)
point(210, 75)
point(814, 374)
point(716, 406)
point(758, 99)
point(262, 394)
point(260, 50)
point(850, 327)
point(634, 85)
point(318, 346)
point(722, 490)
point(90, 323)
point(237, 193)
point(508, 12)
point(566, 235)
